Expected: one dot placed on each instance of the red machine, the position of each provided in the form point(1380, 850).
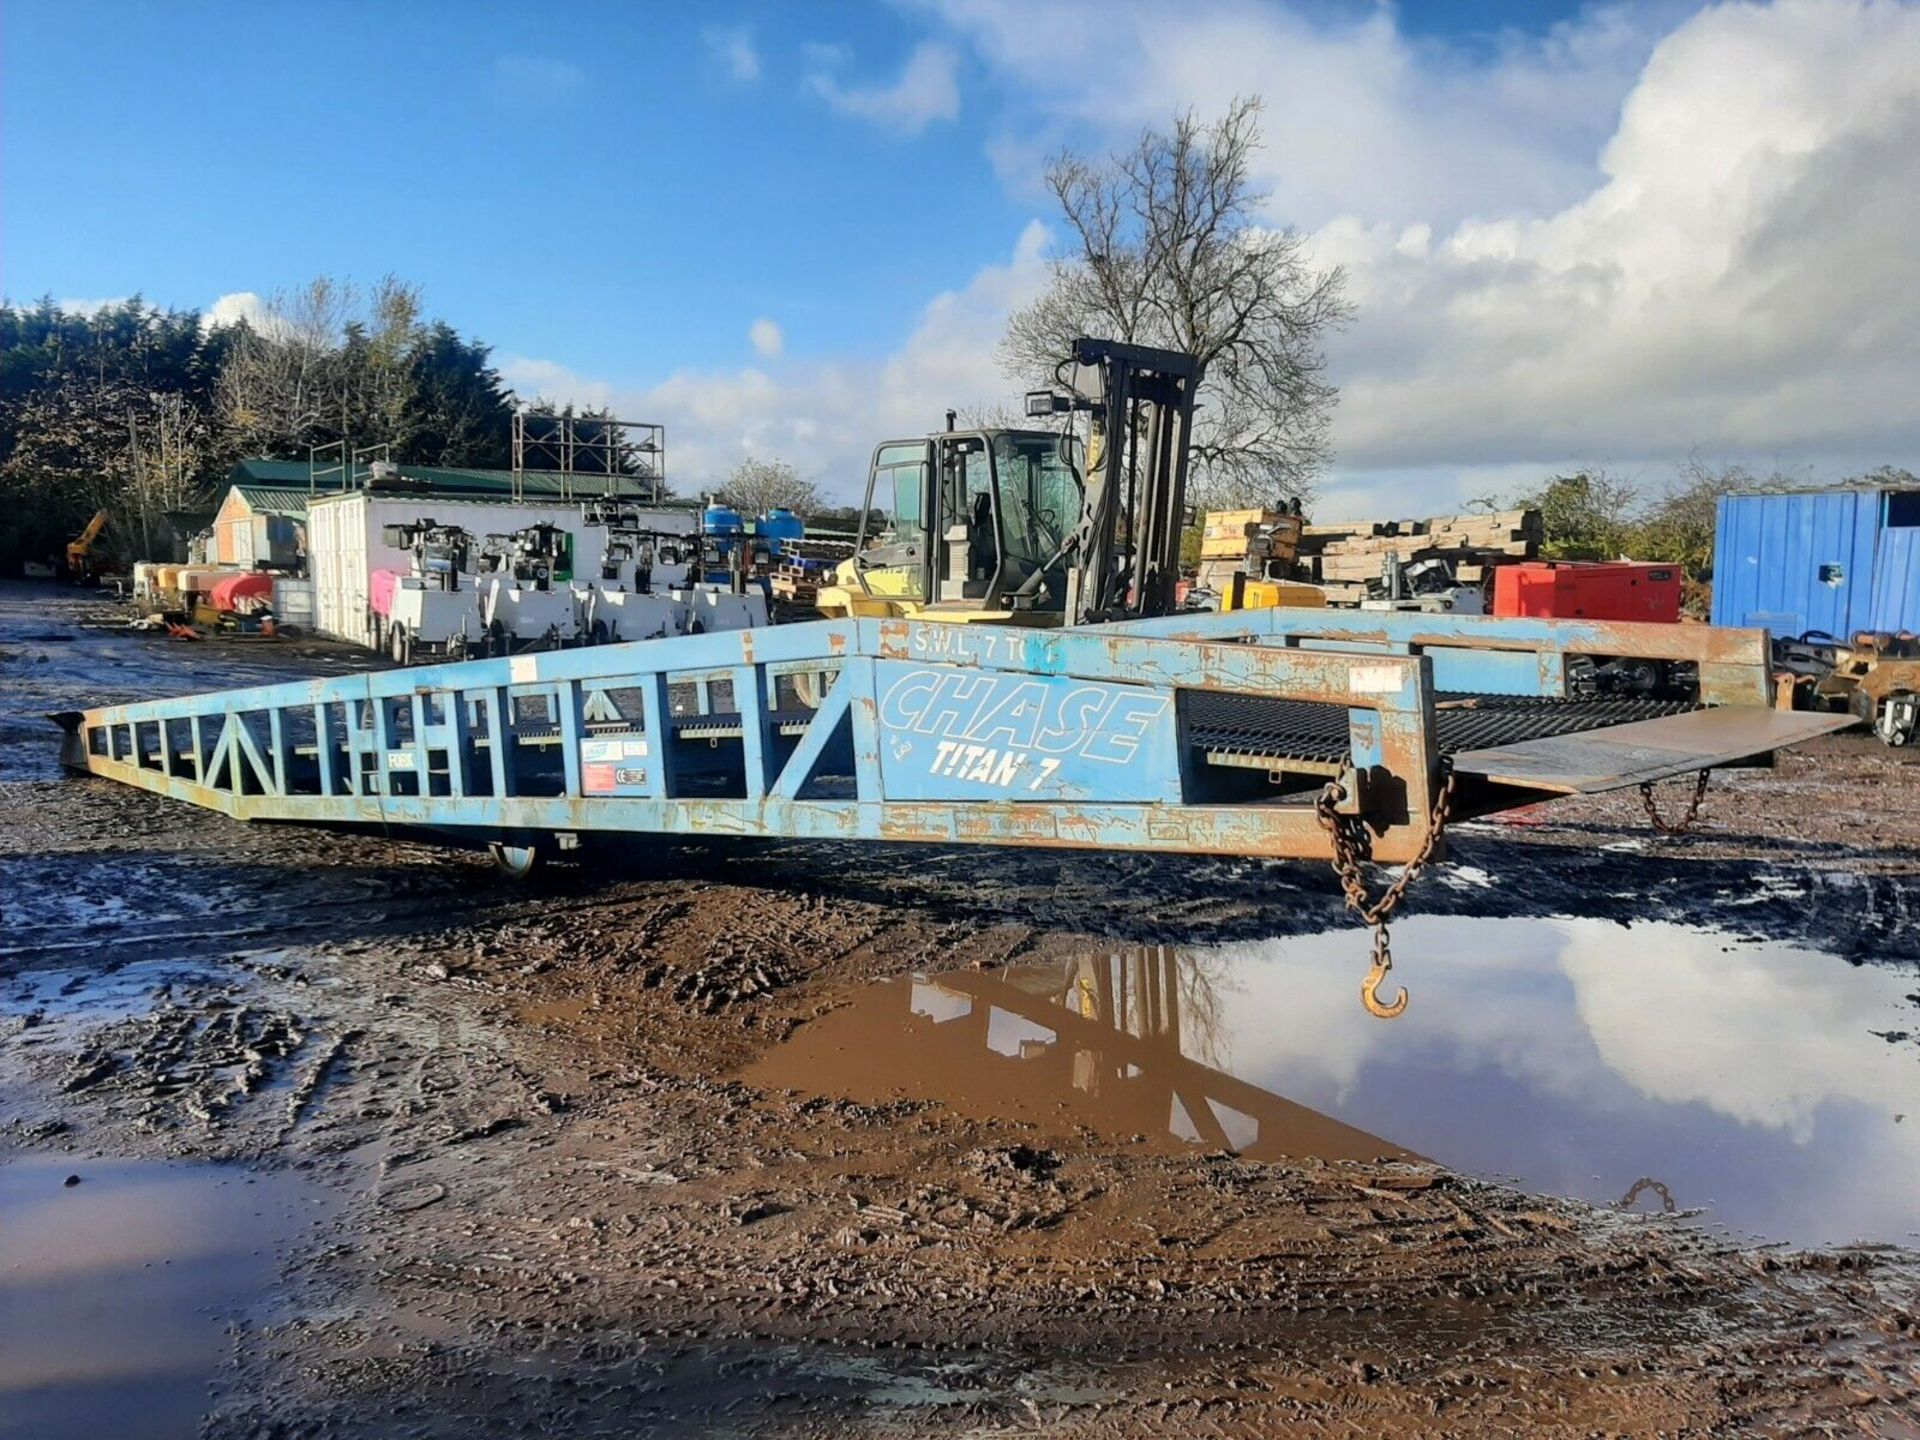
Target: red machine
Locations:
point(1577, 590)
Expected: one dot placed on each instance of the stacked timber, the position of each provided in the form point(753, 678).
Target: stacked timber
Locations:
point(1248, 542)
point(1348, 557)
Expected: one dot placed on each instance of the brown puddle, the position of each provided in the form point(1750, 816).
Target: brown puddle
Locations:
point(1652, 1067)
point(1105, 1041)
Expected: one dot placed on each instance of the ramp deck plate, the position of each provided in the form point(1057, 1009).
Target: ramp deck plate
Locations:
point(1644, 750)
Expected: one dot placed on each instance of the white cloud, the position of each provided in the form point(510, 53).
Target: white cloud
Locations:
point(732, 46)
point(1359, 118)
point(1683, 1027)
point(825, 416)
point(90, 307)
point(1739, 280)
point(1648, 233)
point(532, 379)
point(767, 337)
point(928, 89)
point(240, 305)
point(536, 78)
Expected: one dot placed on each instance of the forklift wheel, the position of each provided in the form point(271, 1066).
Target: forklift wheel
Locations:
point(516, 862)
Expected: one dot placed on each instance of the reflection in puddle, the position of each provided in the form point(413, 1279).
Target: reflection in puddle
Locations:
point(1122, 1043)
point(116, 1293)
point(1770, 1086)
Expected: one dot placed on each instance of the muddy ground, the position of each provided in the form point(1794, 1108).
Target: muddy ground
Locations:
point(553, 1209)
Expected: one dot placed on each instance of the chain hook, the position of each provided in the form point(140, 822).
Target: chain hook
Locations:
point(1352, 849)
point(1377, 976)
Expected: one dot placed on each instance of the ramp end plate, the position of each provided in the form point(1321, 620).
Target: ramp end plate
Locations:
point(1645, 750)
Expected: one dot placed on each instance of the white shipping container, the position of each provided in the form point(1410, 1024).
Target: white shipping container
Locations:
point(344, 545)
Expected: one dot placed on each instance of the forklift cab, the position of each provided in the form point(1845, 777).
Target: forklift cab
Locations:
point(966, 518)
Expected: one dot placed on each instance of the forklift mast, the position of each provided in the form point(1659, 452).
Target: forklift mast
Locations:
point(1127, 547)
point(999, 521)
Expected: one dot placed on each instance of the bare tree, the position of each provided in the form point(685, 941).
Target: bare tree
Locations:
point(168, 445)
point(274, 393)
point(1166, 251)
point(375, 381)
point(322, 363)
point(757, 486)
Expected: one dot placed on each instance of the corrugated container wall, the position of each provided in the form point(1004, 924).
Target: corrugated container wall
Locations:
point(1896, 574)
point(1830, 560)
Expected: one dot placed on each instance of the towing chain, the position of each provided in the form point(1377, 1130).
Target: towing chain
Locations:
point(1685, 822)
point(1352, 851)
point(1640, 1187)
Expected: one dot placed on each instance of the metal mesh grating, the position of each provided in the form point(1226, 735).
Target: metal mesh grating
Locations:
point(1306, 730)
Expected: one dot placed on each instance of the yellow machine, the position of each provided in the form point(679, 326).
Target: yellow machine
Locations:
point(974, 525)
point(1243, 593)
point(997, 525)
point(81, 562)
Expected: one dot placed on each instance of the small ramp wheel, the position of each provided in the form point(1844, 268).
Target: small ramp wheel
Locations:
point(516, 862)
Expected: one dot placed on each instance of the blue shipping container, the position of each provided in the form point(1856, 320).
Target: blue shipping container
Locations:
point(1836, 560)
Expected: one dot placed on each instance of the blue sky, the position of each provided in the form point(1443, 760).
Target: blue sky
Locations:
point(614, 194)
point(580, 179)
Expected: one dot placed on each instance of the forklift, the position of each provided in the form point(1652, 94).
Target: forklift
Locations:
point(995, 525)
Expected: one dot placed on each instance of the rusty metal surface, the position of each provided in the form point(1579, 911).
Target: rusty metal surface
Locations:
point(1644, 750)
point(1496, 654)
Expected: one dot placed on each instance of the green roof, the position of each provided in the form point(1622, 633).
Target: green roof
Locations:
point(282, 476)
point(274, 500)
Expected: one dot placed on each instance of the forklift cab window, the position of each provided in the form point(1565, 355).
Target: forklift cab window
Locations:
point(1040, 498)
point(895, 540)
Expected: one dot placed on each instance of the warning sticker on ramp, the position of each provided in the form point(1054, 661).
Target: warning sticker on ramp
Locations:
point(613, 767)
point(1376, 679)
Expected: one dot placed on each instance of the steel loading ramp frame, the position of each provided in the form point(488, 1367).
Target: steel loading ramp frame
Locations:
point(922, 732)
point(1501, 655)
